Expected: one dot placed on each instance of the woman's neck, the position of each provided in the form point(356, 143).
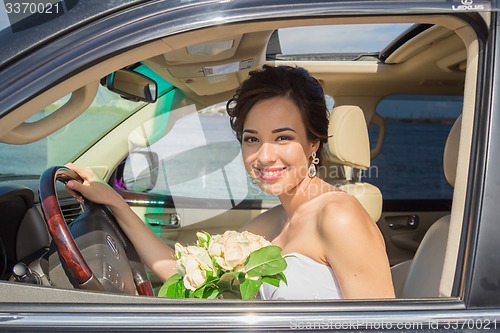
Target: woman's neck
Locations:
point(308, 189)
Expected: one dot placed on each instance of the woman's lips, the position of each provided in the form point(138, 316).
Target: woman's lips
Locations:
point(268, 175)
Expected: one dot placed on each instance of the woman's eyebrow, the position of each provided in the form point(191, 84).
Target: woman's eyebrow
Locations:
point(249, 131)
point(283, 129)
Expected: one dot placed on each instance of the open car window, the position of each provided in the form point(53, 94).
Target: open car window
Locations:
point(417, 128)
point(178, 165)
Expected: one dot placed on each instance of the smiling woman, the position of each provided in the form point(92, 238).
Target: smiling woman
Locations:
point(280, 117)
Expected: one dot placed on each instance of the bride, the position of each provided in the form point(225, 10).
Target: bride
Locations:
point(333, 248)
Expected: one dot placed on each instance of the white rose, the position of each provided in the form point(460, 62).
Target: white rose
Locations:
point(194, 280)
point(231, 249)
point(193, 263)
point(236, 250)
point(256, 241)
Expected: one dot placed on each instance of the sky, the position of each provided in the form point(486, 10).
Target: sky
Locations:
point(339, 38)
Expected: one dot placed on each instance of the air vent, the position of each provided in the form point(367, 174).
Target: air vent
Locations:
point(71, 209)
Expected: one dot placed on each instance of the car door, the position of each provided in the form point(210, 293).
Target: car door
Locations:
point(470, 302)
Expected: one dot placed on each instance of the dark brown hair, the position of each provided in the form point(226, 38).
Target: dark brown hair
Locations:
point(294, 83)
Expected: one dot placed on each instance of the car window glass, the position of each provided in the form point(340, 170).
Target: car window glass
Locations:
point(107, 110)
point(348, 38)
point(410, 165)
point(195, 156)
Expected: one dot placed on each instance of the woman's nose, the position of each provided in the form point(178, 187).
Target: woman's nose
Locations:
point(266, 153)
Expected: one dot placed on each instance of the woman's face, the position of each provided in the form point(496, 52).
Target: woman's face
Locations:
point(275, 147)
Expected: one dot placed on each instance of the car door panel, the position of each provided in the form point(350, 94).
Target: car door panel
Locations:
point(401, 237)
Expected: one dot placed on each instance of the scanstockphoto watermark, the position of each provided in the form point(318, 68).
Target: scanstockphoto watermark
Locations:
point(340, 172)
point(327, 324)
point(439, 324)
point(335, 175)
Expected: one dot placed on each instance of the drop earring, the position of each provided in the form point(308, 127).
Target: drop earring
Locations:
point(311, 172)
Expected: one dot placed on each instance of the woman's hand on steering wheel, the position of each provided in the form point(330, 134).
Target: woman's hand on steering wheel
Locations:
point(92, 188)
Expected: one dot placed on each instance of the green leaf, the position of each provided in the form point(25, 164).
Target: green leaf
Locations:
point(207, 287)
point(231, 294)
point(211, 293)
point(249, 288)
point(198, 293)
point(211, 279)
point(275, 279)
point(272, 280)
point(177, 290)
point(229, 285)
point(172, 281)
point(265, 261)
point(282, 277)
point(163, 291)
point(230, 281)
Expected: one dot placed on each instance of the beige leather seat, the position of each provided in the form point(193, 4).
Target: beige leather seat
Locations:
point(349, 148)
point(421, 276)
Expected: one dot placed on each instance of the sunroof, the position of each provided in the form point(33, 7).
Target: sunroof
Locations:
point(334, 39)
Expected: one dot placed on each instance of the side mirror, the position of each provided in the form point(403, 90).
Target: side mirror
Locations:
point(140, 172)
point(132, 85)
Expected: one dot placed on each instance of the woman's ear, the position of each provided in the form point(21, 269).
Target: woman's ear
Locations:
point(315, 146)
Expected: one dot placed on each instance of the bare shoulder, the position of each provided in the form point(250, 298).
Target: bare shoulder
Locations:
point(267, 224)
point(343, 214)
point(354, 247)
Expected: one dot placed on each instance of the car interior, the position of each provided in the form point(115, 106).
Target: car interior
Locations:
point(437, 55)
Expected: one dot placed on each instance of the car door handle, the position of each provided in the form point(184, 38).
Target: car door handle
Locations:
point(408, 222)
point(172, 222)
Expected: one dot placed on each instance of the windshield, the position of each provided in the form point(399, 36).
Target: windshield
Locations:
point(106, 111)
point(61, 147)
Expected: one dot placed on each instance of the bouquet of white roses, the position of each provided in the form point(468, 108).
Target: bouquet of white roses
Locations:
point(231, 265)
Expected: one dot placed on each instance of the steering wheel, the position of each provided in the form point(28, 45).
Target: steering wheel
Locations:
point(113, 257)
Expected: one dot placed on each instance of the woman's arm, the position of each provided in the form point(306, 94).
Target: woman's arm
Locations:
point(355, 249)
point(158, 256)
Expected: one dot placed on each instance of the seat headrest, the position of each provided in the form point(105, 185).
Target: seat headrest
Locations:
point(450, 156)
point(368, 195)
point(348, 142)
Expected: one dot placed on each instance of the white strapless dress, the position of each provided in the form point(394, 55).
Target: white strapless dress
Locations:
point(307, 279)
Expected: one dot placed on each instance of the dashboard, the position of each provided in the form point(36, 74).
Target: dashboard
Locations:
point(23, 233)
point(29, 255)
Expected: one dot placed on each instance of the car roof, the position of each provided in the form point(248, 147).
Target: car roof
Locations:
point(33, 27)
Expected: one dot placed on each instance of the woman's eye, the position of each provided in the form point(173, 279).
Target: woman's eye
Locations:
point(283, 138)
point(250, 139)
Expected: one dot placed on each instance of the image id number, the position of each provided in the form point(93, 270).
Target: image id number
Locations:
point(32, 8)
point(470, 324)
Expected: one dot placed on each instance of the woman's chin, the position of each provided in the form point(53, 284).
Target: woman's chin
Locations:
point(274, 189)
